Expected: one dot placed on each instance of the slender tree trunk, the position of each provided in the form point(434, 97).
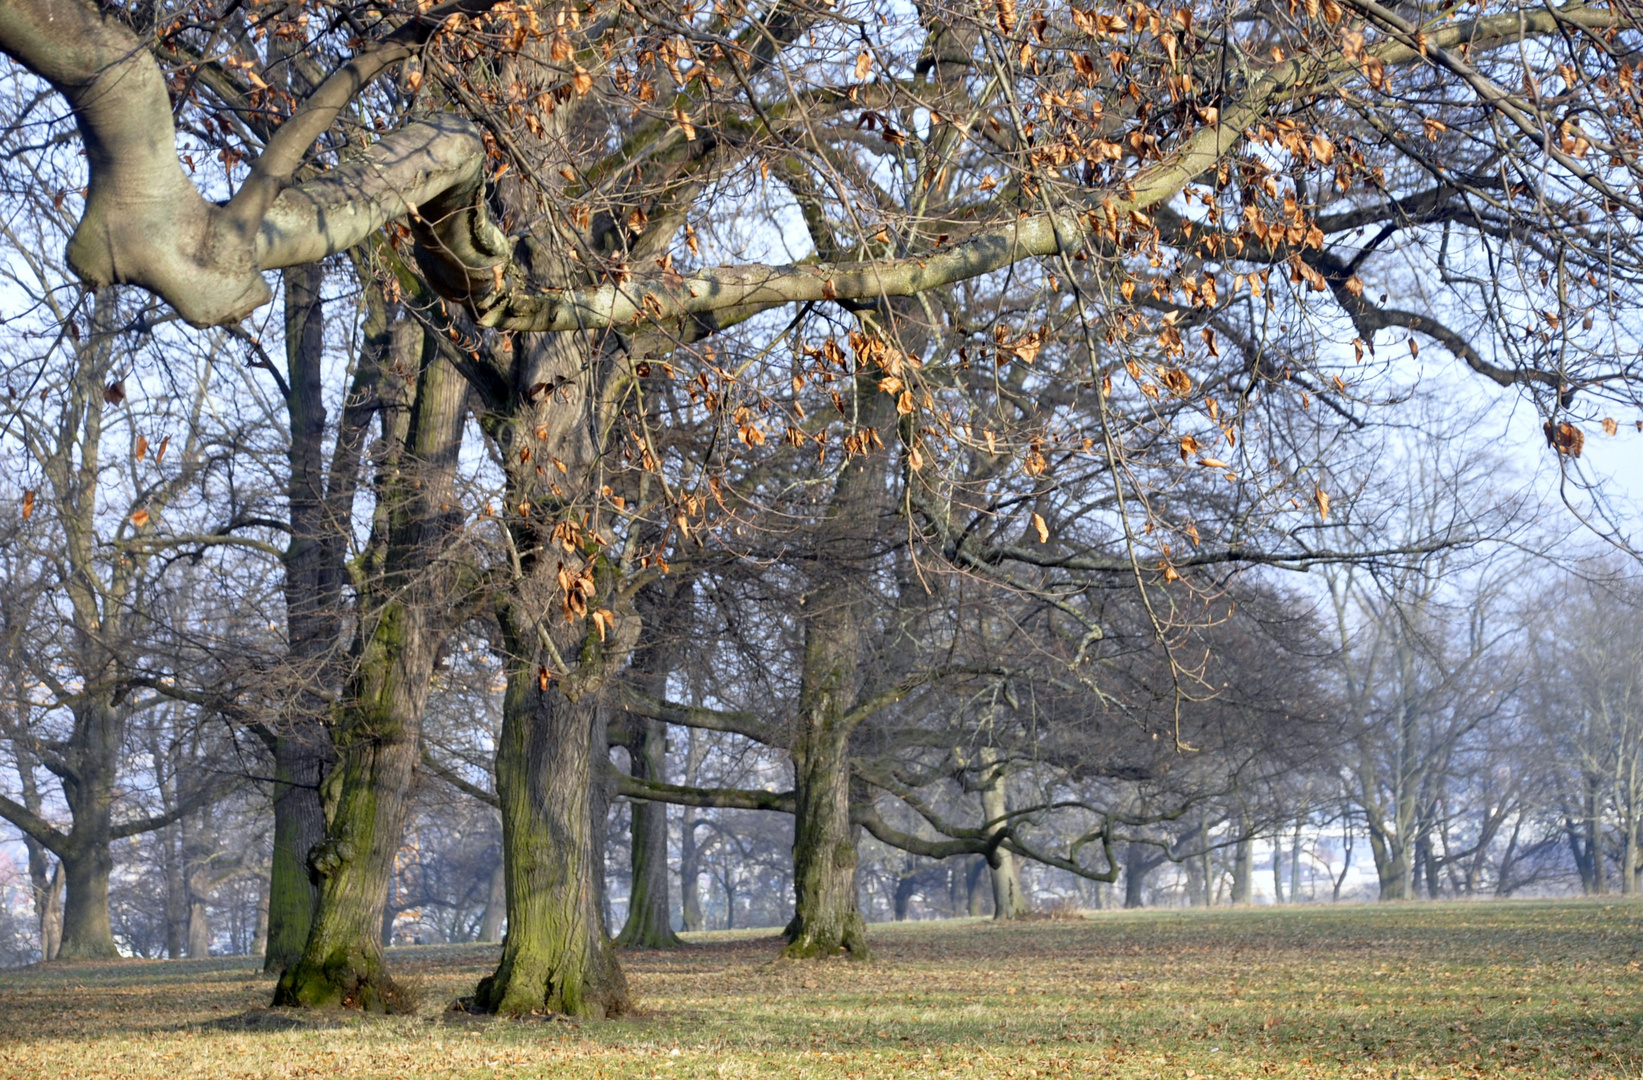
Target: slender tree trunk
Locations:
point(690, 874)
point(1243, 859)
point(1594, 841)
point(975, 898)
point(1197, 883)
point(649, 924)
point(51, 914)
point(1009, 902)
point(1629, 861)
point(906, 886)
point(1277, 868)
point(496, 903)
point(556, 957)
point(378, 726)
point(320, 507)
point(369, 793)
point(45, 875)
point(259, 932)
point(1295, 863)
point(690, 870)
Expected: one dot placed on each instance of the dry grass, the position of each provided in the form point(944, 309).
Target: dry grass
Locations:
point(1407, 992)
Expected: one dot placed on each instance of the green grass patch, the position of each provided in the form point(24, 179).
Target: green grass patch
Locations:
point(1411, 992)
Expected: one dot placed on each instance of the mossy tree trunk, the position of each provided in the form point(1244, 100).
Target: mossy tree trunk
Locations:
point(299, 824)
point(377, 727)
point(556, 956)
point(320, 505)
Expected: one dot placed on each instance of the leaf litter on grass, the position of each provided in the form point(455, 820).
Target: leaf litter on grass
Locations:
point(1392, 992)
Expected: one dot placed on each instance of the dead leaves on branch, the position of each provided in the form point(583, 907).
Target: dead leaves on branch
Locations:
point(1565, 438)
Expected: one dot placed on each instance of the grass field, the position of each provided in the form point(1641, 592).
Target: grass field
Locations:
point(1406, 992)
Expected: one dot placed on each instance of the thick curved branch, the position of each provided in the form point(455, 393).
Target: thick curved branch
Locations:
point(36, 827)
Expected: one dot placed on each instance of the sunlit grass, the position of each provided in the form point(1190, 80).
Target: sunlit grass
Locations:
point(1407, 991)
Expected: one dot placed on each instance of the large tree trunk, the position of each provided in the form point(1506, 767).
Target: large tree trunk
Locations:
point(369, 794)
point(556, 957)
point(199, 928)
point(650, 921)
point(378, 726)
point(87, 860)
point(826, 918)
point(87, 933)
point(299, 825)
point(1136, 868)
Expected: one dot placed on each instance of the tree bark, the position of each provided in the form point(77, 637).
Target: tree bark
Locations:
point(198, 937)
point(1009, 902)
point(974, 898)
point(87, 933)
point(826, 919)
point(299, 825)
point(1243, 869)
point(650, 920)
point(313, 595)
point(378, 725)
point(690, 870)
point(556, 957)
